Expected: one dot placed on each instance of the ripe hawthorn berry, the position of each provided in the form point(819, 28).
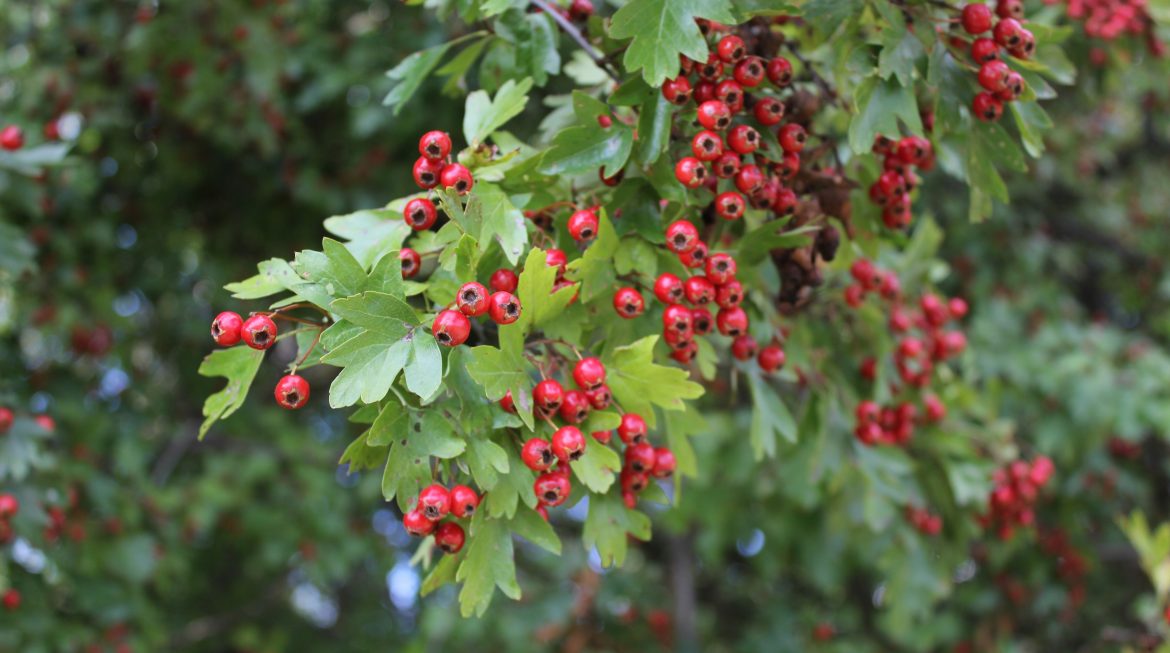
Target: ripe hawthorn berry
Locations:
point(226, 328)
point(583, 225)
point(976, 18)
point(714, 114)
point(411, 262)
point(419, 213)
point(957, 307)
point(416, 524)
point(935, 410)
point(258, 332)
point(701, 321)
point(768, 111)
point(537, 455)
point(664, 463)
point(749, 179)
point(1008, 32)
point(11, 138)
point(628, 302)
point(750, 72)
point(792, 137)
point(434, 145)
point(731, 321)
point(712, 70)
point(11, 597)
point(589, 373)
point(726, 165)
point(681, 236)
point(677, 91)
point(472, 299)
point(599, 397)
point(728, 295)
point(730, 205)
point(6, 419)
point(721, 268)
point(458, 177)
point(987, 107)
point(743, 347)
point(633, 482)
point(552, 489)
point(556, 258)
point(640, 457)
point(731, 48)
point(426, 173)
point(698, 290)
point(854, 295)
point(1026, 47)
point(1013, 88)
point(730, 93)
point(993, 75)
point(507, 403)
point(707, 145)
point(690, 172)
point(504, 280)
point(771, 358)
point(743, 139)
point(914, 150)
point(9, 506)
point(434, 501)
point(575, 408)
point(704, 91)
point(780, 71)
point(568, 444)
point(46, 423)
point(788, 166)
point(677, 318)
point(580, 9)
point(1009, 9)
point(292, 391)
point(504, 307)
point(451, 328)
point(548, 395)
point(632, 429)
point(984, 50)
point(696, 257)
point(449, 537)
point(603, 436)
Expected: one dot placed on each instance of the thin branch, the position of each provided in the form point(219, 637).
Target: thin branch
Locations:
point(576, 35)
point(821, 81)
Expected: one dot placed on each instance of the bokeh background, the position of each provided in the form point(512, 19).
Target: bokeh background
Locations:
point(207, 136)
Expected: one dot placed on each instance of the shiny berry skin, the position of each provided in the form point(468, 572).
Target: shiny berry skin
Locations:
point(555, 258)
point(749, 179)
point(664, 463)
point(632, 482)
point(426, 173)
point(768, 111)
point(730, 205)
point(632, 430)
point(583, 226)
point(11, 138)
point(226, 328)
point(677, 318)
point(416, 524)
point(1008, 33)
point(504, 280)
point(419, 213)
point(677, 91)
point(668, 288)
point(507, 403)
point(640, 457)
point(731, 48)
point(729, 295)
point(792, 137)
point(46, 423)
point(576, 406)
point(603, 436)
point(449, 537)
point(957, 307)
point(771, 358)
point(538, 455)
point(451, 328)
point(731, 321)
point(434, 501)
point(721, 268)
point(548, 395)
point(589, 373)
point(696, 257)
point(690, 172)
point(743, 139)
point(6, 419)
point(730, 93)
point(987, 107)
point(1025, 47)
point(686, 352)
point(458, 177)
point(552, 489)
point(681, 236)
point(976, 18)
point(435, 145)
point(292, 391)
point(464, 501)
point(599, 397)
point(707, 145)
point(780, 71)
point(411, 262)
point(568, 444)
point(9, 506)
point(915, 150)
point(701, 321)
point(472, 299)
point(698, 290)
point(750, 72)
point(993, 75)
point(628, 303)
point(258, 332)
point(984, 50)
point(743, 347)
point(1014, 87)
point(504, 308)
point(704, 91)
point(727, 165)
point(715, 114)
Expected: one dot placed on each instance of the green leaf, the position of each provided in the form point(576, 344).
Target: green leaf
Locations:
point(587, 146)
point(879, 105)
point(512, 489)
point(595, 268)
point(502, 222)
point(831, 14)
point(409, 74)
point(361, 455)
point(598, 466)
point(413, 437)
point(769, 416)
point(539, 304)
point(239, 365)
point(534, 37)
point(636, 254)
point(278, 271)
point(755, 245)
point(484, 115)
point(486, 460)
point(529, 525)
point(334, 269)
point(504, 370)
point(255, 287)
point(1032, 121)
point(662, 30)
point(639, 384)
point(608, 526)
point(441, 574)
point(371, 233)
point(901, 50)
point(488, 564)
point(654, 121)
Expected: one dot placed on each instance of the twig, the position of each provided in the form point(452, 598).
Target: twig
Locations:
point(821, 81)
point(576, 35)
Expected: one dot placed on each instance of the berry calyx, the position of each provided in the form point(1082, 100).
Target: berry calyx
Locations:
point(583, 226)
point(576, 406)
point(538, 455)
point(681, 236)
point(628, 302)
point(552, 488)
point(451, 328)
point(548, 395)
point(458, 177)
point(714, 114)
point(434, 145)
point(730, 205)
point(419, 213)
point(292, 391)
point(668, 288)
point(226, 328)
point(568, 444)
point(434, 501)
point(504, 308)
point(411, 262)
point(589, 373)
point(632, 430)
point(258, 332)
point(464, 501)
point(472, 299)
point(426, 173)
point(449, 537)
point(417, 524)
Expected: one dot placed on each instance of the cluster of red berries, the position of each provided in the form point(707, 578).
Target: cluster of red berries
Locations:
point(11, 138)
point(259, 332)
point(1011, 502)
point(451, 327)
point(432, 169)
point(715, 282)
point(435, 503)
point(892, 189)
point(924, 521)
point(1071, 564)
point(720, 89)
point(1111, 19)
point(1000, 83)
point(552, 487)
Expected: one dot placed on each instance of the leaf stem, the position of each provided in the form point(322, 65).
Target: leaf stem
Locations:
point(576, 35)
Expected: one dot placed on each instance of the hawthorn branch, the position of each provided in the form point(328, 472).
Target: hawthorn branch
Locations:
point(576, 35)
point(827, 87)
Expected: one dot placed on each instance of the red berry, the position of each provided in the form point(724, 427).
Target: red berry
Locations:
point(46, 423)
point(258, 332)
point(690, 172)
point(580, 9)
point(681, 236)
point(599, 397)
point(472, 299)
point(792, 137)
point(537, 455)
point(743, 347)
point(935, 410)
point(993, 75)
point(984, 50)
point(628, 302)
point(696, 257)
point(640, 457)
point(1009, 9)
point(677, 91)
point(976, 18)
point(727, 165)
point(451, 328)
point(504, 307)
point(1014, 87)
point(632, 482)
point(749, 179)
point(721, 268)
point(1025, 47)
point(542, 511)
point(712, 70)
point(1009, 33)
point(434, 502)
point(664, 463)
point(987, 107)
point(416, 524)
point(632, 430)
point(435, 145)
point(698, 290)
point(915, 150)
point(426, 173)
point(583, 225)
point(576, 406)
point(957, 307)
point(789, 165)
point(11, 596)
point(9, 506)
point(548, 396)
point(603, 436)
point(771, 358)
point(419, 213)
point(411, 262)
point(504, 280)
point(707, 145)
point(731, 321)
point(701, 321)
point(730, 93)
point(226, 328)
point(750, 72)
point(568, 443)
point(458, 177)
point(589, 373)
point(6, 419)
point(731, 48)
point(730, 205)
point(551, 488)
point(449, 537)
point(704, 91)
point(743, 139)
point(668, 288)
point(714, 114)
point(854, 295)
point(780, 71)
point(11, 138)
point(677, 318)
point(729, 295)
point(507, 403)
point(769, 111)
point(292, 391)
